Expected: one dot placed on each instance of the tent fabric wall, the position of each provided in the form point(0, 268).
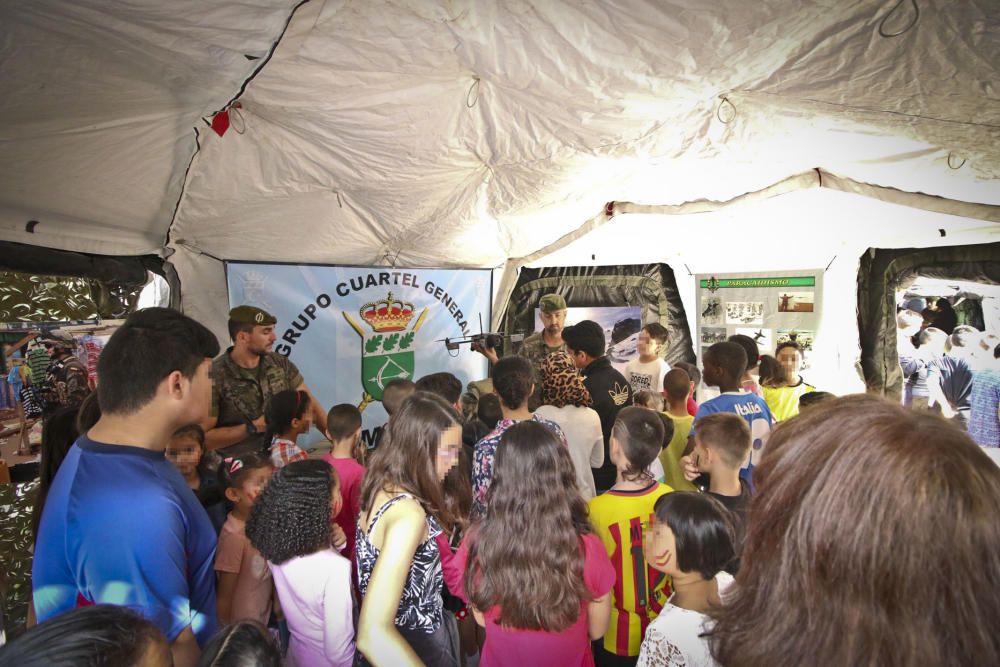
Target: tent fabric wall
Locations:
point(882, 272)
point(649, 286)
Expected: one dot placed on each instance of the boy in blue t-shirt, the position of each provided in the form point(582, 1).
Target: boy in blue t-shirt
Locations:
point(723, 366)
point(120, 525)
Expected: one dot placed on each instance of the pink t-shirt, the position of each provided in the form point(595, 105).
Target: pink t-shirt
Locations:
point(351, 473)
point(315, 595)
point(567, 648)
point(235, 554)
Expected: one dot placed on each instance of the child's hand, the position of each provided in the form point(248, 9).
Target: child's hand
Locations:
point(337, 537)
point(690, 468)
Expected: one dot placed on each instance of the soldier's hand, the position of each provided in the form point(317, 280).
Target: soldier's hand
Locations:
point(260, 424)
point(488, 352)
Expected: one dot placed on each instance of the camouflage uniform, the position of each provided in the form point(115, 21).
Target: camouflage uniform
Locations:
point(66, 383)
point(240, 394)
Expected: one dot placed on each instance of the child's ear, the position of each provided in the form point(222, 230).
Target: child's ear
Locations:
point(357, 435)
point(232, 494)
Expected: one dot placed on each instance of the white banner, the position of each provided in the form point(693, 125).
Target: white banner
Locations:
point(351, 329)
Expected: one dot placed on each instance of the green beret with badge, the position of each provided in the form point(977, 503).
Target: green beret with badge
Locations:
point(551, 303)
point(251, 315)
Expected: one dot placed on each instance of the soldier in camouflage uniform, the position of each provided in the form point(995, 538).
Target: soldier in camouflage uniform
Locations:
point(535, 347)
point(244, 378)
point(66, 381)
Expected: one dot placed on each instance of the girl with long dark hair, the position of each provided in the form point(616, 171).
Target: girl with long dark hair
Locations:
point(538, 578)
point(288, 415)
point(403, 510)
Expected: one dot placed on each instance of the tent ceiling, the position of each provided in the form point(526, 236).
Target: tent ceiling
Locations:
point(466, 132)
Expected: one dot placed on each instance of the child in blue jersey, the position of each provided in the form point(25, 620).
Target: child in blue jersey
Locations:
point(724, 364)
point(120, 525)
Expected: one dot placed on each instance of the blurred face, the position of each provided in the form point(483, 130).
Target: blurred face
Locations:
point(710, 373)
point(554, 322)
point(448, 448)
point(580, 359)
point(647, 346)
point(660, 547)
point(700, 454)
point(201, 392)
point(246, 494)
point(185, 454)
point(304, 424)
point(790, 360)
point(261, 339)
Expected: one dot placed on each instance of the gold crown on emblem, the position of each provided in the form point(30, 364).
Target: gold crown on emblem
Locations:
point(387, 314)
point(619, 394)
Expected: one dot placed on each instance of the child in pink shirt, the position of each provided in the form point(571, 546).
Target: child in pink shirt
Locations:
point(292, 526)
point(538, 579)
point(343, 427)
point(243, 587)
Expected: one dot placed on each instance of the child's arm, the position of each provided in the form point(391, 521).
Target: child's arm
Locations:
point(224, 590)
point(378, 639)
point(599, 616)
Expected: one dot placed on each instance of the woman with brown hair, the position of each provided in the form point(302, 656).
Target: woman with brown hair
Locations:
point(400, 575)
point(538, 579)
point(874, 540)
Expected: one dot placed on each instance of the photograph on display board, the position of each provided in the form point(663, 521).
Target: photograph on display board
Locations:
point(763, 337)
point(711, 310)
point(744, 312)
point(621, 326)
point(803, 337)
point(712, 335)
point(796, 302)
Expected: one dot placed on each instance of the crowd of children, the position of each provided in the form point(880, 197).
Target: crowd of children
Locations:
point(397, 554)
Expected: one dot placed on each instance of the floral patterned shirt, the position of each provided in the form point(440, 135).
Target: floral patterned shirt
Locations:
point(484, 454)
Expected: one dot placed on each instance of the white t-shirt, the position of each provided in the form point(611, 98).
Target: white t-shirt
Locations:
point(672, 638)
point(646, 376)
point(582, 428)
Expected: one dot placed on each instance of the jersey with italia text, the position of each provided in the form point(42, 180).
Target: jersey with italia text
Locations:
point(756, 413)
point(621, 519)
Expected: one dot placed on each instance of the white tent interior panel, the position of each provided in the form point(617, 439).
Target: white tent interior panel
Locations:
point(467, 133)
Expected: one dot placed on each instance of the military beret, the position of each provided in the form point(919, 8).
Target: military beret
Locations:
point(550, 303)
point(251, 315)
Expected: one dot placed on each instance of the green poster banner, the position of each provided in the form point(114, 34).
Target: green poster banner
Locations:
point(723, 283)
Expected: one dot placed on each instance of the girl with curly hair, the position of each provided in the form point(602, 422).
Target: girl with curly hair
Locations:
point(399, 555)
point(292, 526)
point(538, 578)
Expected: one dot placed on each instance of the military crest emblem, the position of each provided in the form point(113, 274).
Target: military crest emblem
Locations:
point(386, 352)
point(713, 284)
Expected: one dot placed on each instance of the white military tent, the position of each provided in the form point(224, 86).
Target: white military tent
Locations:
point(493, 133)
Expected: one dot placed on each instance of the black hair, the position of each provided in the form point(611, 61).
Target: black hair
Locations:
point(342, 420)
point(283, 408)
point(648, 399)
point(586, 336)
point(788, 343)
point(749, 346)
point(96, 636)
point(657, 332)
point(59, 432)
point(89, 414)
point(193, 431)
point(668, 428)
point(512, 380)
point(473, 431)
point(445, 385)
point(703, 531)
point(291, 517)
point(152, 344)
point(234, 469)
point(730, 357)
point(243, 644)
point(488, 411)
point(640, 433)
point(813, 398)
point(691, 370)
point(238, 328)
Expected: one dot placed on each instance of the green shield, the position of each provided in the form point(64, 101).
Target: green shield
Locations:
point(382, 360)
